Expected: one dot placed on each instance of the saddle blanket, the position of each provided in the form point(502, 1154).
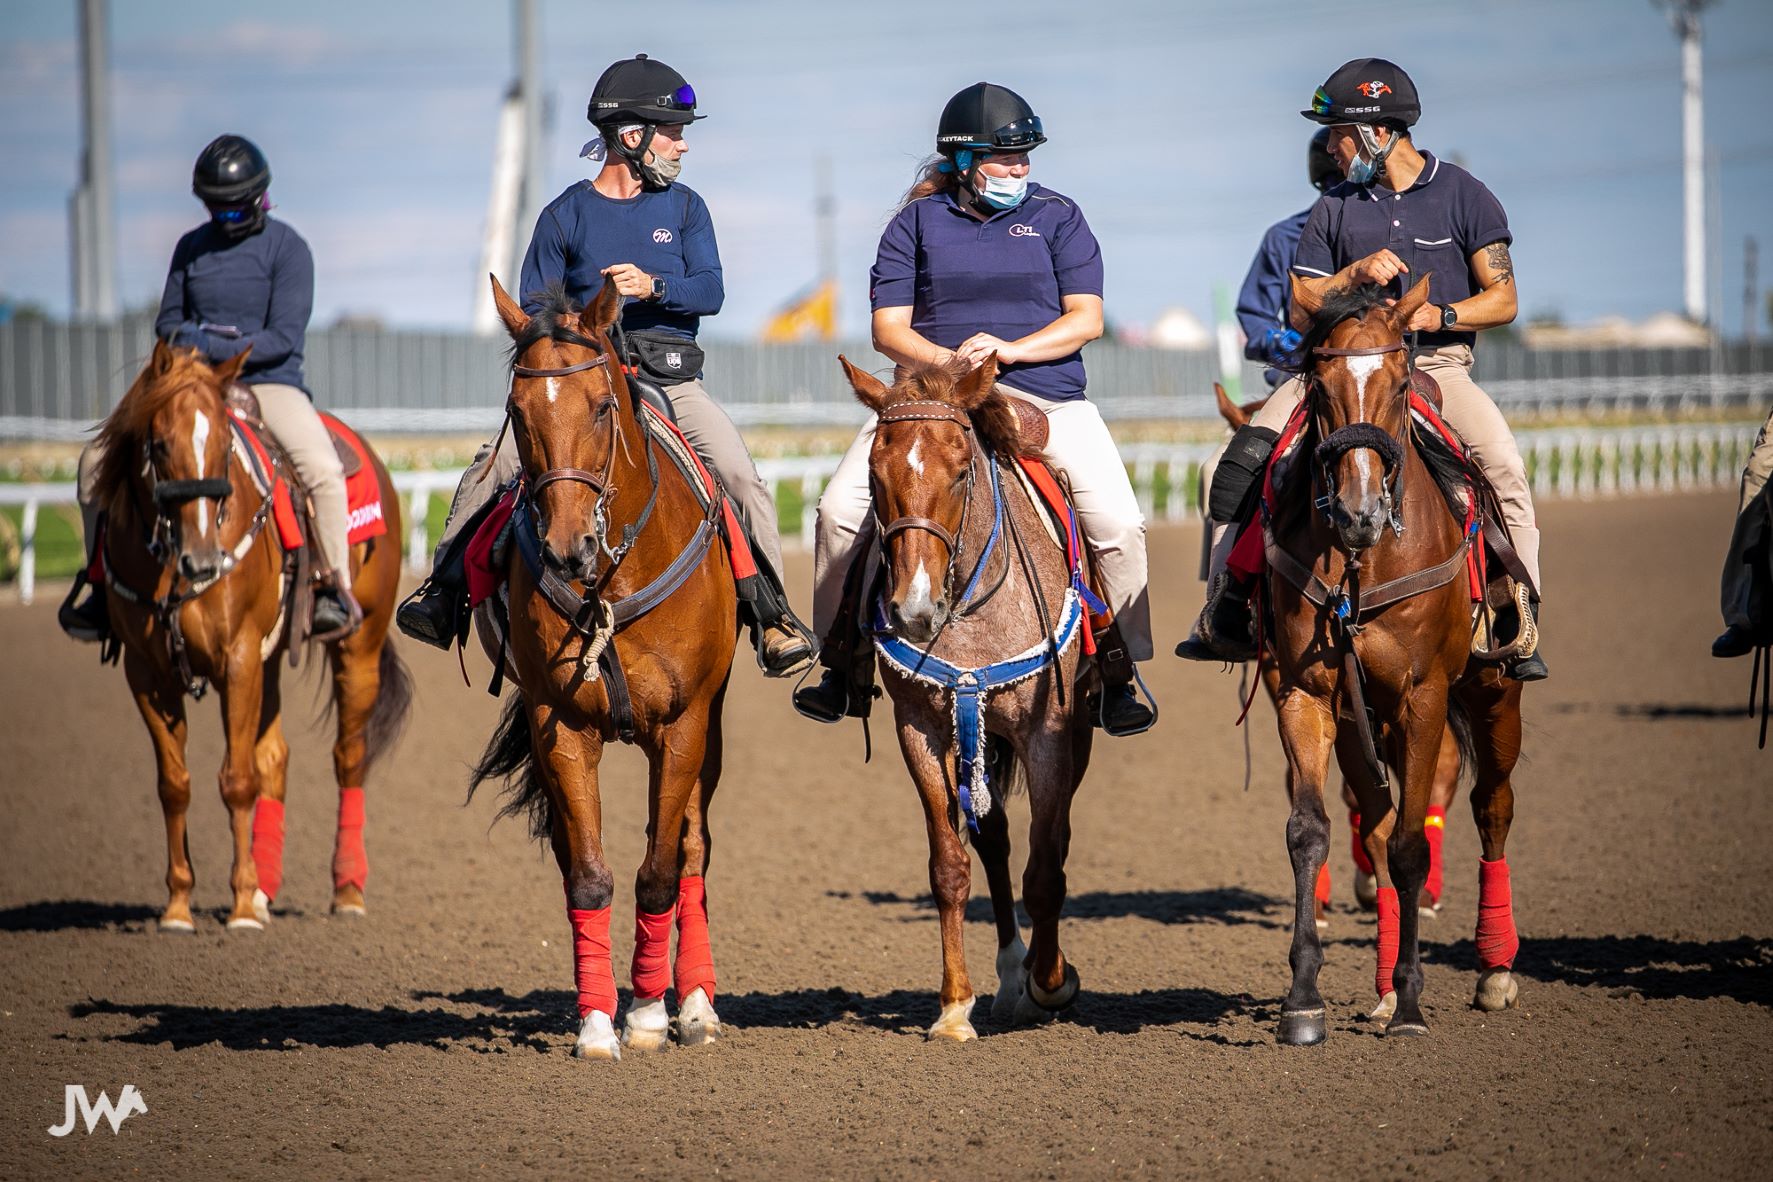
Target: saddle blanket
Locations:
point(363, 492)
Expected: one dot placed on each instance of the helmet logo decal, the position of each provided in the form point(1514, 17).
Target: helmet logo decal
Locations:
point(1023, 230)
point(661, 235)
point(1373, 89)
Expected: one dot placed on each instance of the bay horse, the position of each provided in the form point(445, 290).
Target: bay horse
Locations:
point(1446, 773)
point(618, 538)
point(1365, 621)
point(978, 629)
point(199, 597)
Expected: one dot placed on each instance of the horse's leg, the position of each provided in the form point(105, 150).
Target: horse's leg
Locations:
point(932, 765)
point(697, 1022)
point(1366, 878)
point(356, 680)
point(271, 758)
point(1440, 799)
point(1496, 727)
point(993, 845)
point(567, 760)
point(1375, 819)
point(675, 773)
point(1307, 732)
point(1055, 764)
point(163, 708)
point(1418, 745)
point(242, 696)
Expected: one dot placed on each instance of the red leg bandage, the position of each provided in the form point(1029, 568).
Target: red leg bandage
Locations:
point(592, 971)
point(1323, 884)
point(1434, 828)
point(695, 956)
point(1497, 941)
point(1388, 940)
point(350, 865)
point(267, 844)
point(651, 970)
point(1362, 863)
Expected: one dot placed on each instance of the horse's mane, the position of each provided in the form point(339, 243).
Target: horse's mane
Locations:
point(123, 431)
point(994, 420)
point(556, 319)
point(1339, 305)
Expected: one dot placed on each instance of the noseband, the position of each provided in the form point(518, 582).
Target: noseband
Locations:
point(1362, 436)
point(932, 412)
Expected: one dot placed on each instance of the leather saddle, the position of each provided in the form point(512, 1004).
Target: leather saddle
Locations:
point(1032, 427)
point(1426, 386)
point(242, 399)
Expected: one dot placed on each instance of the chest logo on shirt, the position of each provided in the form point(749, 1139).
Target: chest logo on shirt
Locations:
point(1023, 230)
point(661, 235)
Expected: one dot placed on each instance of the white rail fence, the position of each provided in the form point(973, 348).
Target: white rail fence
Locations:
point(1575, 462)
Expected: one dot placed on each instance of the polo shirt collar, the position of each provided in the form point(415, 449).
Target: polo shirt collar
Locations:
point(1430, 166)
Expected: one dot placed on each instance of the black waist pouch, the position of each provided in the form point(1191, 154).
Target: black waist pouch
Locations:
point(667, 360)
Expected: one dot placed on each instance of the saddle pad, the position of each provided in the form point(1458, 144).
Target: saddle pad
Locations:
point(1055, 502)
point(706, 488)
point(485, 573)
point(363, 492)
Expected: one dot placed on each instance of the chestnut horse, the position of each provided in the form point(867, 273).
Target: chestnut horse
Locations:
point(1446, 774)
point(1371, 609)
point(977, 596)
point(199, 597)
point(616, 528)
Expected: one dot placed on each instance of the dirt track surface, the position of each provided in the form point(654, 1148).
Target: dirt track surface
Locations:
point(433, 1038)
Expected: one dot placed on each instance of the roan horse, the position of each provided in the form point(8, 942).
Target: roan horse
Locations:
point(977, 596)
point(613, 532)
point(1362, 620)
point(199, 597)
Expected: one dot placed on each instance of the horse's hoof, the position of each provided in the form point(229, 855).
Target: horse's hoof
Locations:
point(348, 900)
point(697, 1023)
point(1010, 977)
point(1496, 990)
point(597, 1038)
point(245, 923)
point(176, 924)
point(1060, 998)
point(1323, 925)
point(261, 905)
point(1366, 891)
point(647, 1026)
point(1412, 1028)
point(1385, 1009)
point(955, 1024)
point(1429, 910)
point(1302, 1028)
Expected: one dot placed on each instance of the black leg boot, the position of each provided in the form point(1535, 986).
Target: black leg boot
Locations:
point(845, 688)
point(1117, 709)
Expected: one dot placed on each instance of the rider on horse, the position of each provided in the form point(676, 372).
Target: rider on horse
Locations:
point(240, 280)
point(1262, 301)
point(634, 222)
point(1400, 215)
point(978, 262)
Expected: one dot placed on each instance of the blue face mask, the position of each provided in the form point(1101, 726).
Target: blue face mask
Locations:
point(1367, 161)
point(1002, 192)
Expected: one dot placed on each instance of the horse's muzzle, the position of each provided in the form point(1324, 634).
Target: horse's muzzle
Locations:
point(201, 566)
point(917, 619)
point(579, 561)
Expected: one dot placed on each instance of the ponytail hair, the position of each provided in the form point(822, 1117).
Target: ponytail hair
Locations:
point(932, 178)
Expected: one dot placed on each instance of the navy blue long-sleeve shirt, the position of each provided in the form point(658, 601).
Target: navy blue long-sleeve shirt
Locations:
point(261, 285)
point(1262, 304)
point(665, 232)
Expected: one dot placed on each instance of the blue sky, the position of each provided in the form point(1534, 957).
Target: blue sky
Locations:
point(1173, 123)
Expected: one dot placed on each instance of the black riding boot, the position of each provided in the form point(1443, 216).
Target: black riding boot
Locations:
point(1117, 709)
point(88, 621)
point(846, 686)
point(1227, 627)
point(433, 613)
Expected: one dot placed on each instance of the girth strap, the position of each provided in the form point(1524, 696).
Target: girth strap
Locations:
point(1384, 595)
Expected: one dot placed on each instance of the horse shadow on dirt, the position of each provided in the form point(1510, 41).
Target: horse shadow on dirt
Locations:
point(66, 915)
point(1228, 906)
point(1653, 967)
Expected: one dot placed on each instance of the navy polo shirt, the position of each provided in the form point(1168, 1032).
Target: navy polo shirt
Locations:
point(1005, 276)
point(665, 232)
point(262, 285)
point(1436, 225)
point(1262, 303)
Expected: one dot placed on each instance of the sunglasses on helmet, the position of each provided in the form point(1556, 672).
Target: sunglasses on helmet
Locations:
point(232, 214)
point(1023, 133)
point(681, 99)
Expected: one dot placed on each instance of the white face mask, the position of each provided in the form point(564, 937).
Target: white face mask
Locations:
point(660, 171)
point(1002, 192)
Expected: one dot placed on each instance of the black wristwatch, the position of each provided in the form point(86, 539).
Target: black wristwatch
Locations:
point(658, 288)
point(1448, 317)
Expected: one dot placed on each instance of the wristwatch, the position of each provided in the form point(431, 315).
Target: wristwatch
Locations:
point(658, 288)
point(1448, 317)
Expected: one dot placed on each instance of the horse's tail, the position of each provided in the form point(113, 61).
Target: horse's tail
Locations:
point(1459, 720)
point(1008, 776)
point(510, 756)
point(393, 705)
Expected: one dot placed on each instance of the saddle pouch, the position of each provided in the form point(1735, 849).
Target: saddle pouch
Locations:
point(667, 360)
point(1240, 472)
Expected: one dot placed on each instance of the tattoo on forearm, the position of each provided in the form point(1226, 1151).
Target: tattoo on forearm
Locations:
point(1497, 255)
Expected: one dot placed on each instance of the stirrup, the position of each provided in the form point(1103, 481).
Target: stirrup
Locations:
point(431, 614)
point(335, 588)
point(90, 622)
point(825, 701)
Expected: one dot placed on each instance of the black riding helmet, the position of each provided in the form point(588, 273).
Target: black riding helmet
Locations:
point(1325, 173)
point(987, 118)
point(641, 90)
point(230, 171)
point(1367, 90)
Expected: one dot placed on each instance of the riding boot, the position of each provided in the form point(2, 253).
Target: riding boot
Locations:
point(1117, 708)
point(1738, 640)
point(336, 613)
point(784, 645)
point(437, 612)
point(846, 687)
point(1530, 666)
point(1226, 628)
point(88, 621)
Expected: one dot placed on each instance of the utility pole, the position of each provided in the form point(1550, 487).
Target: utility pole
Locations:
point(1751, 313)
point(91, 208)
point(1684, 16)
point(515, 201)
point(529, 93)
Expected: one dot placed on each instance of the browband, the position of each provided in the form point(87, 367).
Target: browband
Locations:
point(524, 371)
point(1371, 351)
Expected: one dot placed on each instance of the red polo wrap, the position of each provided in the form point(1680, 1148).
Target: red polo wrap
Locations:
point(695, 956)
point(592, 971)
point(1388, 940)
point(1497, 941)
point(267, 844)
point(350, 865)
point(651, 970)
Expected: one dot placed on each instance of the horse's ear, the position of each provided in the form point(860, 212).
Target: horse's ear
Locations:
point(228, 372)
point(975, 387)
point(161, 359)
point(603, 311)
point(1413, 299)
point(510, 311)
point(870, 390)
point(1304, 298)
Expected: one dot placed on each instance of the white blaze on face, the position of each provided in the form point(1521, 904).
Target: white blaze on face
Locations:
point(200, 445)
point(553, 390)
point(1362, 368)
point(915, 457)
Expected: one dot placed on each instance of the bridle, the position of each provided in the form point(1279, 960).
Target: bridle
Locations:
point(1358, 436)
point(930, 412)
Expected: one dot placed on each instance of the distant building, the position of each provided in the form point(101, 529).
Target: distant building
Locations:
point(1664, 330)
point(1178, 328)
